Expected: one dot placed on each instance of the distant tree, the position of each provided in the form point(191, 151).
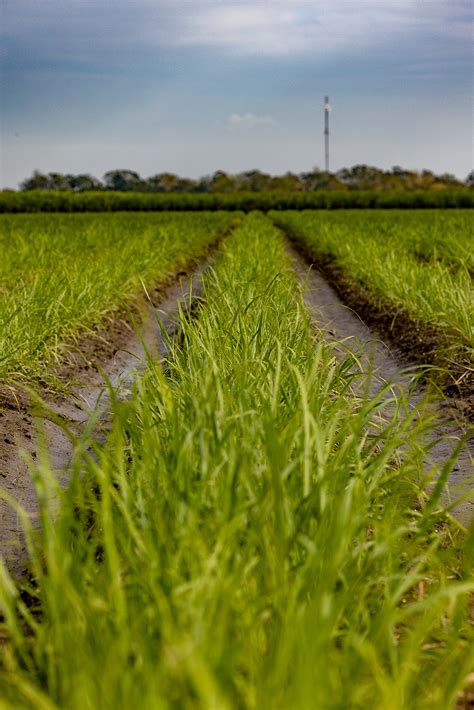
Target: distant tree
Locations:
point(319, 180)
point(255, 181)
point(425, 178)
point(163, 182)
point(287, 183)
point(399, 176)
point(51, 181)
point(399, 179)
point(449, 180)
point(223, 182)
point(82, 183)
point(124, 180)
point(358, 177)
point(202, 185)
point(186, 185)
point(57, 181)
point(362, 177)
point(399, 172)
point(38, 181)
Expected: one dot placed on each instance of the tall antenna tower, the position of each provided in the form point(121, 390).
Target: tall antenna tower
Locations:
point(327, 111)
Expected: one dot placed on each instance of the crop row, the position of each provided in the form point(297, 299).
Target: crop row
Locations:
point(431, 235)
point(377, 264)
point(251, 534)
point(63, 274)
point(58, 201)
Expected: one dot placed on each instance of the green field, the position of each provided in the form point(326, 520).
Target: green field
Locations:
point(254, 530)
point(417, 264)
point(35, 201)
point(61, 275)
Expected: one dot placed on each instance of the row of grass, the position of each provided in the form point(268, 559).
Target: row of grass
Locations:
point(108, 201)
point(63, 274)
point(247, 535)
point(434, 235)
point(419, 263)
point(431, 235)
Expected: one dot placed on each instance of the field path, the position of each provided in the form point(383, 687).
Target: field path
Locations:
point(18, 427)
point(340, 323)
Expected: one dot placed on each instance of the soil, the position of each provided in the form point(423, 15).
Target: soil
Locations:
point(389, 365)
point(117, 350)
point(465, 699)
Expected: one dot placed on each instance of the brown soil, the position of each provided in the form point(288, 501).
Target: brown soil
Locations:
point(417, 342)
point(465, 699)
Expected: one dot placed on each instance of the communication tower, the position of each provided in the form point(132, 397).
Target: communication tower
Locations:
point(327, 111)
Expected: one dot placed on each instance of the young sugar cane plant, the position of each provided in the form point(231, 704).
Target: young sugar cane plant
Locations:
point(63, 275)
point(253, 532)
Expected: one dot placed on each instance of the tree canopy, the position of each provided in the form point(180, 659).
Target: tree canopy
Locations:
point(359, 177)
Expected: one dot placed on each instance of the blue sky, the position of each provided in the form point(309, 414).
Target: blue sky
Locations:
point(192, 86)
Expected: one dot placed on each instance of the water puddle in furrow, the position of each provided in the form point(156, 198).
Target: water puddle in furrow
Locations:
point(89, 396)
point(340, 323)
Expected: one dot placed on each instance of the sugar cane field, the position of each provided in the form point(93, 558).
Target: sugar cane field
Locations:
point(236, 459)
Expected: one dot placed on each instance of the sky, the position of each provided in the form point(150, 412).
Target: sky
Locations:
point(193, 86)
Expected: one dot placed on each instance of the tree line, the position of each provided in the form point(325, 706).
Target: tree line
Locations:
point(359, 177)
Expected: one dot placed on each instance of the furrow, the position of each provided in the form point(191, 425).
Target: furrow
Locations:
point(89, 396)
point(387, 366)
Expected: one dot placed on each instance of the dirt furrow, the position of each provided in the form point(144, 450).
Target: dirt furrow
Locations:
point(387, 366)
point(124, 356)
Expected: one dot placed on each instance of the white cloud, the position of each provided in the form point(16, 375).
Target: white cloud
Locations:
point(244, 27)
point(238, 120)
point(326, 27)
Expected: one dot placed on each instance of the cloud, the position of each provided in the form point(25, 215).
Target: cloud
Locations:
point(238, 120)
point(269, 28)
point(319, 29)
